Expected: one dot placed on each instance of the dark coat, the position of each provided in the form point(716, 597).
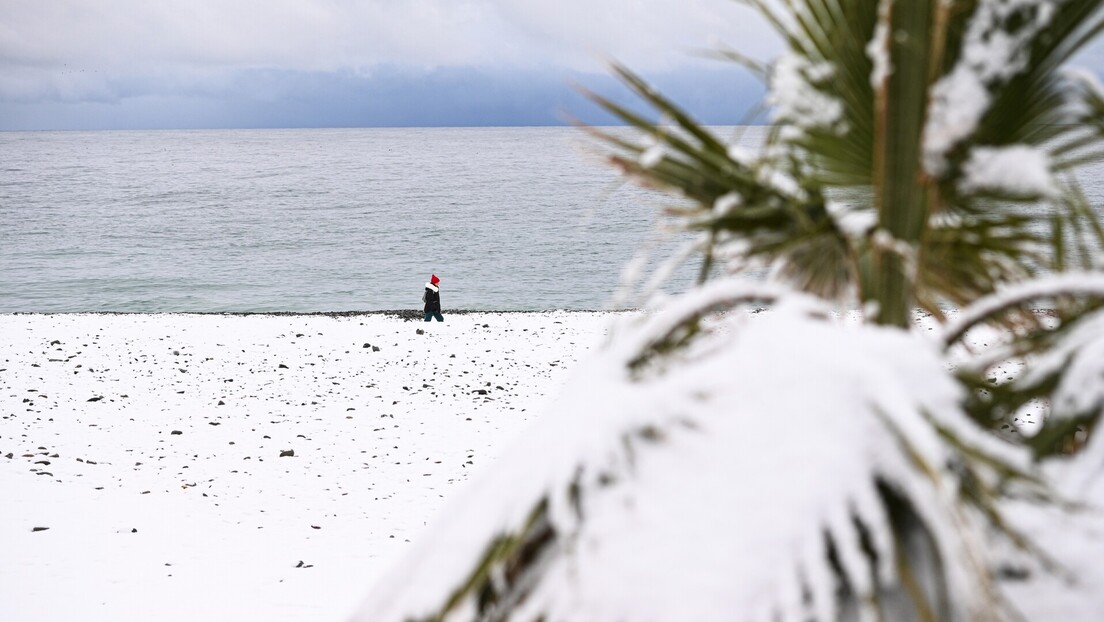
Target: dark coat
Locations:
point(432, 299)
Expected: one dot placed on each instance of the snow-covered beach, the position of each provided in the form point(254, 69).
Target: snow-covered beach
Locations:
point(220, 467)
point(228, 467)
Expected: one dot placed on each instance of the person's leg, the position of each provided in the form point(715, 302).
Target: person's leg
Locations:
point(429, 314)
point(440, 318)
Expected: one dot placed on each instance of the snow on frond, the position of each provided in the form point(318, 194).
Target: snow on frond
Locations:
point(782, 182)
point(878, 47)
point(854, 221)
point(995, 48)
point(796, 98)
point(717, 487)
point(1089, 81)
point(727, 202)
point(1086, 77)
point(652, 156)
point(1066, 284)
point(1016, 170)
point(741, 155)
point(1079, 359)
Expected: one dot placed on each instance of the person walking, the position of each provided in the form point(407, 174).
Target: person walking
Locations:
point(432, 299)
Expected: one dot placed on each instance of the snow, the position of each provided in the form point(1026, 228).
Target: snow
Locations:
point(854, 221)
point(652, 156)
point(1090, 283)
point(769, 434)
point(1087, 78)
point(1018, 170)
point(796, 99)
point(226, 520)
point(991, 55)
point(741, 155)
point(727, 202)
point(780, 181)
point(878, 47)
point(780, 417)
point(1080, 356)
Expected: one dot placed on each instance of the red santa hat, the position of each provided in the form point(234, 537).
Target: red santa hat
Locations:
point(433, 279)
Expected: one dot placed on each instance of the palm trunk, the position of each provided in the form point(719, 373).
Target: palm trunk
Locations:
point(900, 192)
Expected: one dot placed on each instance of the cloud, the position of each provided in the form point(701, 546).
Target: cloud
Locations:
point(649, 35)
point(389, 96)
point(68, 50)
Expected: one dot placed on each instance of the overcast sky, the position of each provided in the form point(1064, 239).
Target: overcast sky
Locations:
point(73, 64)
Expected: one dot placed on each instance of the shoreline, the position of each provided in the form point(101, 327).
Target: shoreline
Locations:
point(405, 314)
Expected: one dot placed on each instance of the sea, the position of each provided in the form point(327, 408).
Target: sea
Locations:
point(315, 220)
point(324, 220)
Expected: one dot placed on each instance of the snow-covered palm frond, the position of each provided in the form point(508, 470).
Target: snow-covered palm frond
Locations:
point(757, 208)
point(1001, 87)
point(1004, 124)
point(780, 466)
point(822, 88)
point(1061, 360)
point(965, 112)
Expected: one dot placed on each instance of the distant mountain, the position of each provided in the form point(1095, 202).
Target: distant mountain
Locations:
point(383, 97)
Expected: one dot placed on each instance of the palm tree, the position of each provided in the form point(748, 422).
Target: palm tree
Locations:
point(709, 464)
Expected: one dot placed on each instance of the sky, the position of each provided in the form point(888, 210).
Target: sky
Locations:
point(126, 64)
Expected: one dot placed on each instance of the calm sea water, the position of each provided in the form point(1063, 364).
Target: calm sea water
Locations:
point(311, 220)
point(315, 220)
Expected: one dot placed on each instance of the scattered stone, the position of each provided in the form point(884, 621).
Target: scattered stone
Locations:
point(95, 399)
point(134, 530)
point(315, 527)
point(420, 331)
point(367, 345)
point(221, 403)
point(287, 453)
point(213, 423)
point(176, 432)
point(34, 529)
point(303, 565)
point(375, 349)
point(282, 366)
